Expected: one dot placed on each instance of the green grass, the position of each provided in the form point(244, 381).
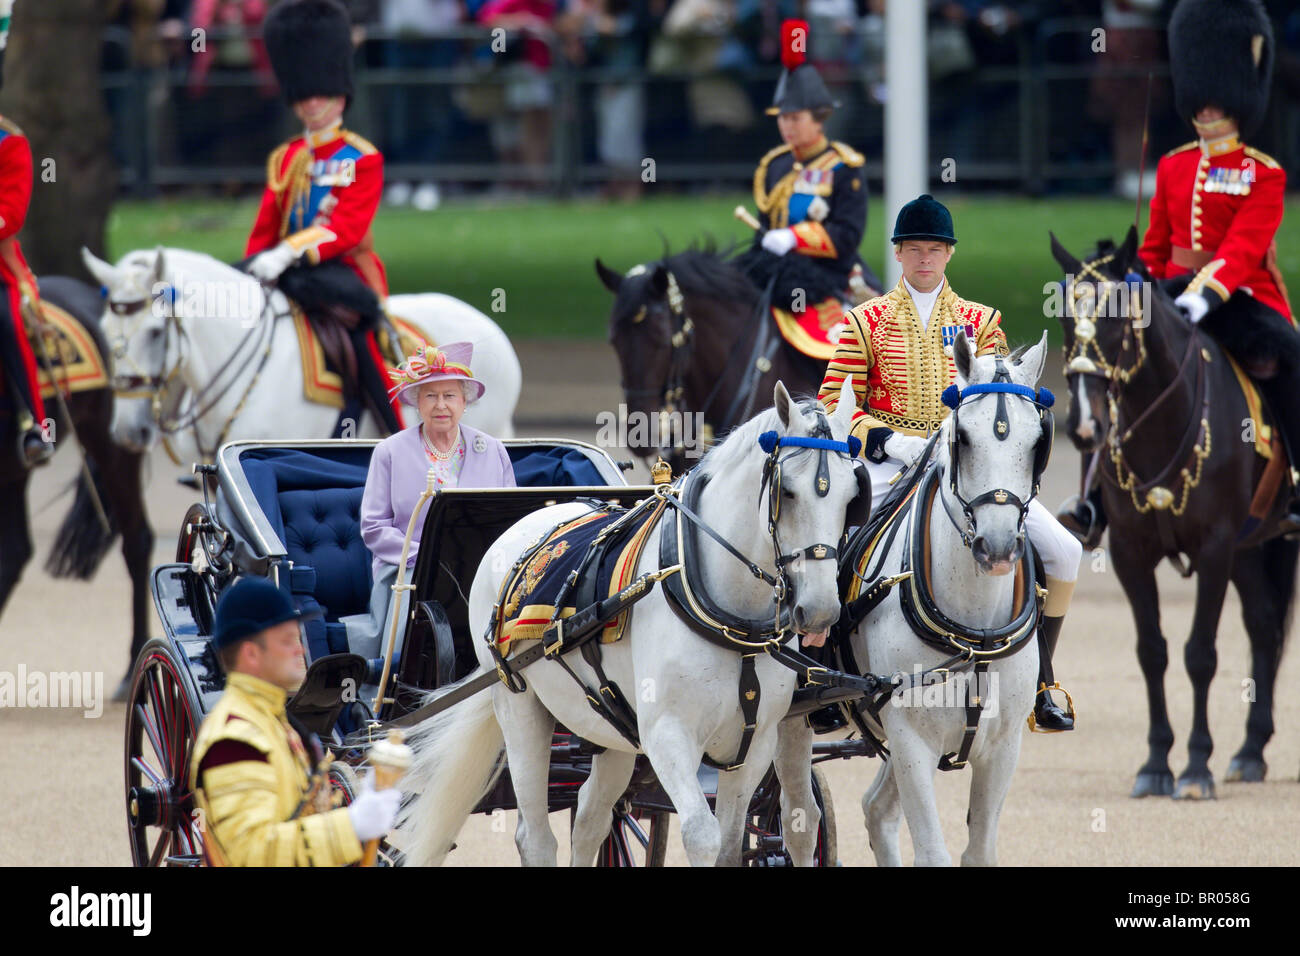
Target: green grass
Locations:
point(540, 253)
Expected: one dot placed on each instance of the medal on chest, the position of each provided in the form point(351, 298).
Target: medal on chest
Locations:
point(1230, 180)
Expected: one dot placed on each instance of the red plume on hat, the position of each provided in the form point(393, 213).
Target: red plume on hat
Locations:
point(794, 43)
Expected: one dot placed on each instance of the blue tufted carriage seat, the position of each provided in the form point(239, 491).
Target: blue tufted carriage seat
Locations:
point(312, 499)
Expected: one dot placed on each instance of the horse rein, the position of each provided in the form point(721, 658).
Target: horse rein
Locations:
point(682, 339)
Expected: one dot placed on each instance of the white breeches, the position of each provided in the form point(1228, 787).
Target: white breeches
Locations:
point(1060, 551)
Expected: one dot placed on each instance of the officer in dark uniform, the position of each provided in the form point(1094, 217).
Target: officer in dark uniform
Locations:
point(810, 192)
point(1216, 209)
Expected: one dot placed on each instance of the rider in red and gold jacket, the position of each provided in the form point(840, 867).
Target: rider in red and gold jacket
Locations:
point(17, 283)
point(1217, 206)
point(313, 234)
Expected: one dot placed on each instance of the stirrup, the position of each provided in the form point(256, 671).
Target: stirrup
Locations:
point(1044, 689)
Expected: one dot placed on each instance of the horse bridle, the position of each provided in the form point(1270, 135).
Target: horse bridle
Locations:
point(1148, 494)
point(1001, 386)
point(154, 386)
point(683, 339)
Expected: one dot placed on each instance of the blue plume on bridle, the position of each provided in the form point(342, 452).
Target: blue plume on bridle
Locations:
point(770, 441)
point(953, 396)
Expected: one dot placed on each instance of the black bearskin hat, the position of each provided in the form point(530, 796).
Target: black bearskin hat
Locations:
point(310, 45)
point(800, 86)
point(1221, 54)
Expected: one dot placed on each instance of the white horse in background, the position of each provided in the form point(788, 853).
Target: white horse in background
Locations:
point(192, 332)
point(683, 688)
point(975, 588)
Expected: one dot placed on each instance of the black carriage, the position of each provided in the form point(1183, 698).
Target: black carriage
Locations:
point(289, 511)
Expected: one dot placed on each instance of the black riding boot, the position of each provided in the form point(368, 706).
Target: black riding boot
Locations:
point(1282, 393)
point(1084, 517)
point(373, 386)
point(1048, 718)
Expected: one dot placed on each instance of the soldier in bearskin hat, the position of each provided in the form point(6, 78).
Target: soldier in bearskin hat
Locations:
point(313, 235)
point(894, 418)
point(17, 284)
point(811, 194)
point(1217, 206)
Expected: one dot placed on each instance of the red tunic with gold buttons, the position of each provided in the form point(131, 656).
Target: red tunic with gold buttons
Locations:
point(16, 278)
point(1215, 212)
point(321, 198)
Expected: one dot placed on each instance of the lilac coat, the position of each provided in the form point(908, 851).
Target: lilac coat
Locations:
point(397, 477)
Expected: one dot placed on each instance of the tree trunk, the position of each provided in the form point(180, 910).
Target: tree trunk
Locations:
point(51, 90)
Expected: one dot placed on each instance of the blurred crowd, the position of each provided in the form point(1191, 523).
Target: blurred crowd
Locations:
point(673, 72)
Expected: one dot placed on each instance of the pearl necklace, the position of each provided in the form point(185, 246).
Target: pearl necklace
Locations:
point(433, 450)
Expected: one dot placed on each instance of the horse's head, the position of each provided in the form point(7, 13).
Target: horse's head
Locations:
point(646, 330)
point(808, 494)
point(996, 444)
point(137, 306)
point(1106, 301)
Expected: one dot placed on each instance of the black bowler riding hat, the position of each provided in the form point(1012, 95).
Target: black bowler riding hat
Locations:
point(310, 45)
point(1221, 54)
point(800, 86)
point(250, 606)
point(924, 218)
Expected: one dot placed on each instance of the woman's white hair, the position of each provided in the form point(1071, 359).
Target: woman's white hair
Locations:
point(466, 387)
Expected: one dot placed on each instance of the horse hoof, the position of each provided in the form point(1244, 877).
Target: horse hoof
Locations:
point(1246, 770)
point(1153, 783)
point(1198, 787)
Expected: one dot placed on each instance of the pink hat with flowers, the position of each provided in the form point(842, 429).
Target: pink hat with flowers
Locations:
point(434, 364)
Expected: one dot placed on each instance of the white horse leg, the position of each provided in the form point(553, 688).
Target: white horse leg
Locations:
point(527, 727)
point(990, 781)
point(735, 791)
point(675, 755)
point(883, 812)
point(800, 816)
point(610, 773)
point(914, 762)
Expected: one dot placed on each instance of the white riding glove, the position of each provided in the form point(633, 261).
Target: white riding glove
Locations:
point(267, 266)
point(373, 812)
point(779, 241)
point(905, 448)
point(1193, 305)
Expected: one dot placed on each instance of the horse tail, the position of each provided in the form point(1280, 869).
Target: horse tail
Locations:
point(82, 541)
point(457, 758)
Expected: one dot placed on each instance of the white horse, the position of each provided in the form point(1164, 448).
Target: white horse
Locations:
point(683, 688)
point(225, 362)
point(971, 583)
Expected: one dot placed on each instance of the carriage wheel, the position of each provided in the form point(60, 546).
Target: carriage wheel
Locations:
point(162, 720)
point(637, 837)
point(764, 840)
point(200, 588)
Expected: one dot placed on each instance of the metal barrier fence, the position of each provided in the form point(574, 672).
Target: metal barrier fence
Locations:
point(446, 109)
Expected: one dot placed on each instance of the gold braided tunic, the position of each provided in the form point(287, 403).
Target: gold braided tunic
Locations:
point(248, 805)
point(900, 366)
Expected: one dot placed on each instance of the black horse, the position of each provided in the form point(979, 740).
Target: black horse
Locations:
point(82, 541)
point(691, 342)
point(1165, 413)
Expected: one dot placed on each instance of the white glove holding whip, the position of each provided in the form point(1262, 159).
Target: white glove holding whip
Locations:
point(373, 812)
point(905, 448)
point(267, 266)
point(779, 241)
